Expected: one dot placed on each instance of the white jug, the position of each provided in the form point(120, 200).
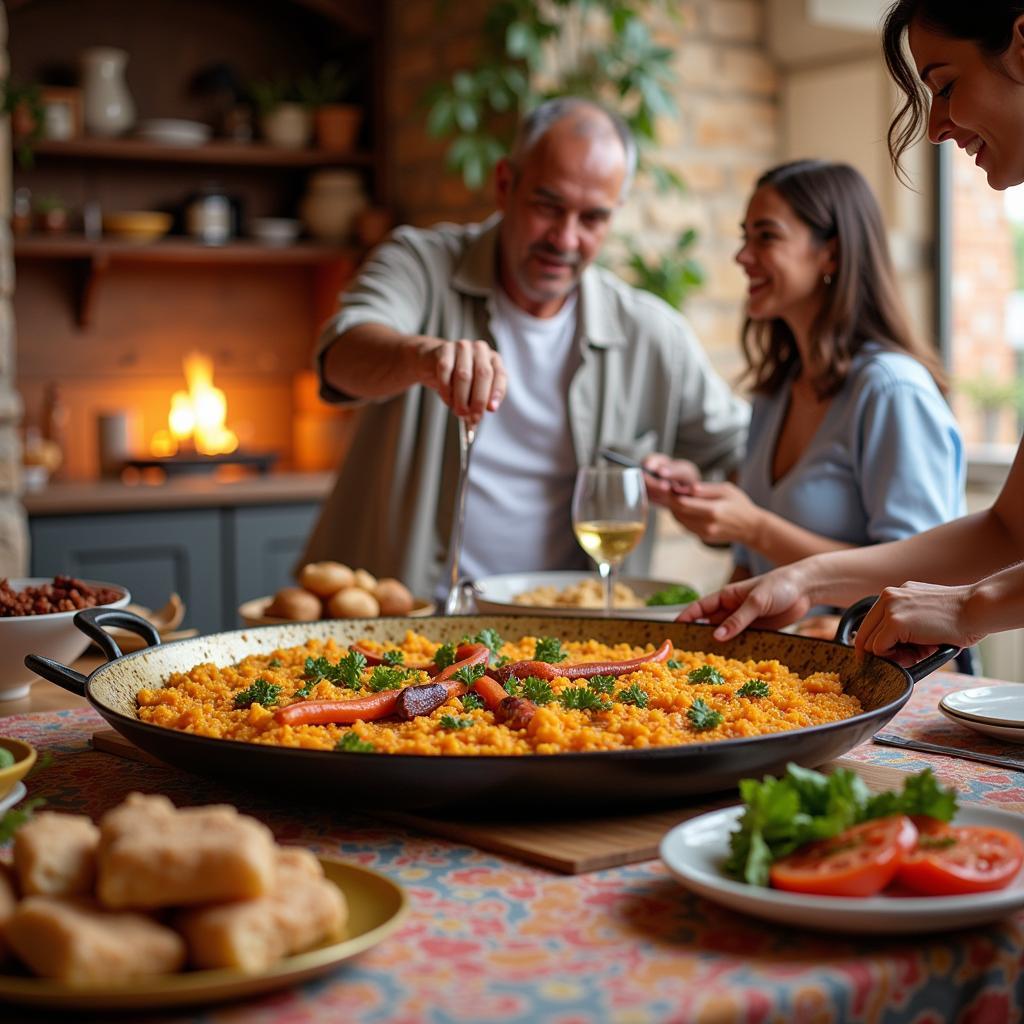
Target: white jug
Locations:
point(108, 107)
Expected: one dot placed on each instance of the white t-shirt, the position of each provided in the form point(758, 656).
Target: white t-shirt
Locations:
point(523, 465)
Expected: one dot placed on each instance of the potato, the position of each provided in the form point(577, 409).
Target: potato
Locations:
point(394, 597)
point(294, 603)
point(325, 578)
point(365, 580)
point(353, 604)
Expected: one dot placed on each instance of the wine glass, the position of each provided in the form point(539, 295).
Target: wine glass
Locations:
point(609, 516)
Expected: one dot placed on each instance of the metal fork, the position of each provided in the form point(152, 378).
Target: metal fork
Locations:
point(459, 589)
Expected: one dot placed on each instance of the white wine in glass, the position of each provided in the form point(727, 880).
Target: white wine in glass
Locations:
point(609, 516)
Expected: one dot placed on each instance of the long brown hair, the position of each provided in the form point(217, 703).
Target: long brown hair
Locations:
point(862, 303)
point(988, 25)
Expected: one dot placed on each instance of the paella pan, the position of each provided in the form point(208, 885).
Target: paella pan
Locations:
point(577, 780)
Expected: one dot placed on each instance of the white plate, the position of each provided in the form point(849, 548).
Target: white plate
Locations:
point(172, 131)
point(695, 851)
point(498, 593)
point(998, 705)
point(1007, 733)
point(13, 796)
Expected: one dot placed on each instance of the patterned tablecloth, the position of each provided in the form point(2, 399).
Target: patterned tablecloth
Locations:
point(490, 939)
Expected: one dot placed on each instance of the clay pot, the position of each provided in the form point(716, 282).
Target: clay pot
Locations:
point(53, 221)
point(287, 126)
point(329, 207)
point(337, 126)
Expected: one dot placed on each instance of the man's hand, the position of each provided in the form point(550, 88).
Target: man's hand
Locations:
point(718, 513)
point(468, 375)
point(665, 477)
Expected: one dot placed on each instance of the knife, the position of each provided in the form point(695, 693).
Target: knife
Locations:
point(630, 463)
point(889, 740)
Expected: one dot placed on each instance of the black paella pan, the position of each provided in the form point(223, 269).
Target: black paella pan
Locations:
point(556, 781)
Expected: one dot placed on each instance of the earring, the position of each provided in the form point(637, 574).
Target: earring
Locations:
point(827, 279)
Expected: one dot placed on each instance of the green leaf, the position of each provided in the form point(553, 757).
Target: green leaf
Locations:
point(444, 656)
point(753, 688)
point(471, 701)
point(15, 817)
point(352, 744)
point(387, 677)
point(601, 684)
point(6, 758)
point(469, 674)
point(705, 674)
point(537, 690)
point(676, 594)
point(632, 694)
point(452, 723)
point(581, 698)
point(261, 692)
point(549, 649)
point(393, 657)
point(921, 794)
point(703, 717)
point(490, 638)
point(673, 664)
point(274, 663)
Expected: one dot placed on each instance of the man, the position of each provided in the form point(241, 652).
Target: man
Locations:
point(509, 325)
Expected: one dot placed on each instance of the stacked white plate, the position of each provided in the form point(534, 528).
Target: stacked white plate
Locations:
point(992, 710)
point(172, 131)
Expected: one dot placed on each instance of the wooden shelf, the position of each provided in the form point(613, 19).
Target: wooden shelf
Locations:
point(236, 154)
point(93, 259)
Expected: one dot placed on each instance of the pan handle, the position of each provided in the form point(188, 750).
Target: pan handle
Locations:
point(54, 672)
point(92, 620)
point(854, 616)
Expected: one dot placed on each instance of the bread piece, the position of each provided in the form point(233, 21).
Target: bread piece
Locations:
point(304, 910)
point(76, 942)
point(55, 855)
point(153, 855)
point(8, 901)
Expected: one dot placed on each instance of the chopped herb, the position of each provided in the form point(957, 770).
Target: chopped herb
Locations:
point(274, 663)
point(352, 744)
point(6, 758)
point(705, 674)
point(491, 639)
point(753, 688)
point(537, 690)
point(471, 701)
point(261, 692)
point(512, 686)
point(303, 692)
point(387, 677)
point(16, 817)
point(601, 684)
point(703, 717)
point(633, 695)
point(347, 672)
point(451, 722)
point(549, 649)
point(935, 842)
point(393, 657)
point(469, 674)
point(677, 594)
point(444, 656)
point(581, 698)
point(672, 663)
point(503, 660)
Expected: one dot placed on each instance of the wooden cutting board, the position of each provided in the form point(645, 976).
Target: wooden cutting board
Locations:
point(572, 847)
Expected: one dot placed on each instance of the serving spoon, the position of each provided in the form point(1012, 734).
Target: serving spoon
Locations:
point(460, 590)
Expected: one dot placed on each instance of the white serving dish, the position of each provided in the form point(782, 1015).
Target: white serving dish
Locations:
point(172, 131)
point(498, 593)
point(1008, 733)
point(53, 636)
point(695, 851)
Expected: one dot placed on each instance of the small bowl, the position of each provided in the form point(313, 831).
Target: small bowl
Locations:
point(24, 758)
point(275, 230)
point(53, 636)
point(252, 612)
point(137, 225)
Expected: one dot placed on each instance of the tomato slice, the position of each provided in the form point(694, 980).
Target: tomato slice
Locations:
point(951, 861)
point(861, 861)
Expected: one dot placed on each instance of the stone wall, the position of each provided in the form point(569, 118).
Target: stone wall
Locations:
point(13, 528)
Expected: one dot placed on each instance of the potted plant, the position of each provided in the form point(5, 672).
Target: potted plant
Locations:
point(24, 105)
point(336, 123)
point(52, 215)
point(284, 121)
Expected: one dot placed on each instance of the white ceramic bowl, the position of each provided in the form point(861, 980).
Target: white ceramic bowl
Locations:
point(173, 131)
point(53, 636)
point(275, 230)
point(498, 593)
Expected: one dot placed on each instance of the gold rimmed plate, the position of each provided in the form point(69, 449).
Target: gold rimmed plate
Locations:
point(376, 906)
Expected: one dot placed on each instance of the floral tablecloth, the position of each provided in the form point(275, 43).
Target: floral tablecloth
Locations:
point(491, 939)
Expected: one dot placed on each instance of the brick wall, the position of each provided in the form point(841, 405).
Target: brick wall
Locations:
point(726, 133)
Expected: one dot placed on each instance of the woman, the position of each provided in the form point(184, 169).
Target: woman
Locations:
point(967, 576)
point(851, 441)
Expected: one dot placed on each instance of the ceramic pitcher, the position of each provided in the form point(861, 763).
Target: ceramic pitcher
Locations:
point(108, 108)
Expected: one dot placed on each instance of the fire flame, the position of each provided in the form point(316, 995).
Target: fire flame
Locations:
point(197, 417)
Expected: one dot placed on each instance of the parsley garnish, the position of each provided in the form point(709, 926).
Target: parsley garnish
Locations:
point(753, 688)
point(512, 686)
point(469, 674)
point(351, 743)
point(581, 698)
point(633, 695)
point(503, 660)
point(261, 692)
point(672, 663)
point(444, 656)
point(303, 692)
point(491, 639)
point(393, 657)
point(17, 816)
point(387, 677)
point(702, 717)
point(537, 690)
point(274, 663)
point(347, 672)
point(549, 649)
point(471, 701)
point(601, 684)
point(451, 722)
point(705, 674)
